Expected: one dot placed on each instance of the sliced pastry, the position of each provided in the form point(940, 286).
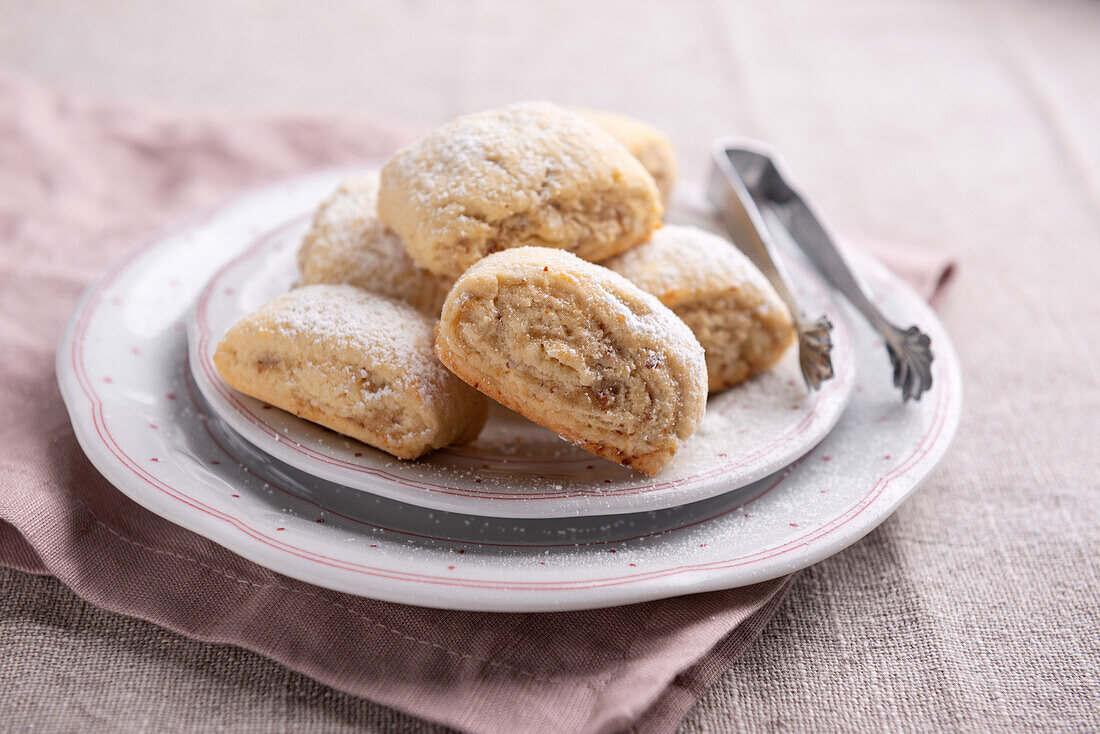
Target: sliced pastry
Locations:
point(348, 243)
point(726, 301)
point(579, 349)
point(527, 174)
point(356, 362)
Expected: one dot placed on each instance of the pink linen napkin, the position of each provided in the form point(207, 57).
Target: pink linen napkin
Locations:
point(78, 182)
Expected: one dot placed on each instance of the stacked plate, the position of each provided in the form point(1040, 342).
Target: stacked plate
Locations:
point(774, 480)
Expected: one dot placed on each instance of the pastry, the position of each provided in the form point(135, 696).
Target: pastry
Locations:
point(729, 305)
point(578, 349)
point(526, 174)
point(358, 363)
point(348, 243)
point(646, 143)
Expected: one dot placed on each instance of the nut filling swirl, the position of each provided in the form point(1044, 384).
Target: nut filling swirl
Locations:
point(578, 349)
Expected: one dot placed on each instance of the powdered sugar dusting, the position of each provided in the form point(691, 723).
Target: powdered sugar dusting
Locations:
point(682, 262)
point(543, 145)
point(352, 324)
point(348, 243)
point(526, 174)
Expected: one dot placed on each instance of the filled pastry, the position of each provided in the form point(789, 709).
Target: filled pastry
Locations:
point(578, 349)
point(348, 243)
point(526, 174)
point(358, 363)
point(729, 305)
point(646, 143)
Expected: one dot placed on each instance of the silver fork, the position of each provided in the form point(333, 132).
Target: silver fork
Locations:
point(728, 194)
point(786, 212)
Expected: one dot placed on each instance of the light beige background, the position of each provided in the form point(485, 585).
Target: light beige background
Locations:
point(970, 127)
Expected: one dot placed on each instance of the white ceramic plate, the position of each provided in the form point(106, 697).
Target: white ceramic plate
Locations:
point(516, 468)
point(122, 369)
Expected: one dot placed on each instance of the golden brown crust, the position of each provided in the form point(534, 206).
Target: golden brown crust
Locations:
point(526, 174)
point(726, 302)
point(358, 363)
point(649, 464)
point(578, 349)
point(740, 341)
point(645, 142)
point(348, 243)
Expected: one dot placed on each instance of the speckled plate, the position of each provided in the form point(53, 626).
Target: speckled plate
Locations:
point(123, 371)
point(515, 468)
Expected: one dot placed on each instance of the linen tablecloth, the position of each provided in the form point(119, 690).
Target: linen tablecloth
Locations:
point(969, 128)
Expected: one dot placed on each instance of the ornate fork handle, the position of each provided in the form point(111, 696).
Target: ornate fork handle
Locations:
point(787, 213)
